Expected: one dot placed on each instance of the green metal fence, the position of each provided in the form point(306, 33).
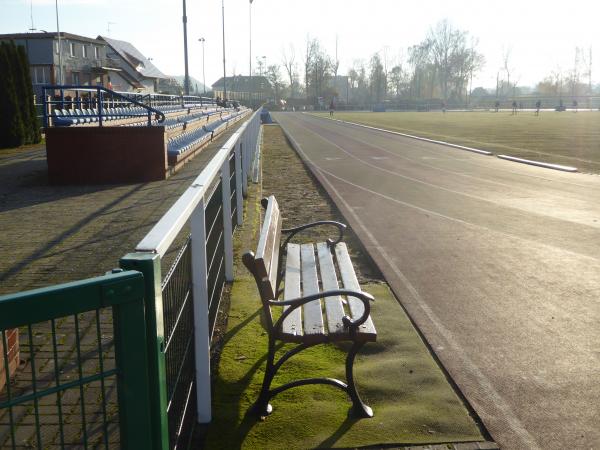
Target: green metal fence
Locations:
point(83, 375)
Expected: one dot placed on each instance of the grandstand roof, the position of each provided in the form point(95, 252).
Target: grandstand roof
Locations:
point(134, 58)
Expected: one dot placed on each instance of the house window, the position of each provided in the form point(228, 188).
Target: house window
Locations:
point(40, 74)
point(72, 49)
point(75, 77)
point(84, 49)
point(96, 53)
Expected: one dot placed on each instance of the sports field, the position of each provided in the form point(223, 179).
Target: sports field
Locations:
point(566, 138)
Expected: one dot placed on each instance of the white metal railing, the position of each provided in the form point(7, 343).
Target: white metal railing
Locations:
point(244, 146)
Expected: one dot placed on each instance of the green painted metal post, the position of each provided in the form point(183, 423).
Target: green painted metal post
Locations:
point(133, 381)
point(149, 265)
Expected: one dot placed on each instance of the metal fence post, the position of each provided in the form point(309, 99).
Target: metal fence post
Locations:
point(149, 265)
point(244, 152)
point(238, 185)
point(256, 158)
point(227, 225)
point(135, 406)
point(201, 321)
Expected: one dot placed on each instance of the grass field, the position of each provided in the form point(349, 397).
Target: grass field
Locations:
point(562, 138)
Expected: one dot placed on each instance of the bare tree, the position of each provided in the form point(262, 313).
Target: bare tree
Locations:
point(377, 79)
point(309, 56)
point(273, 74)
point(397, 80)
point(446, 43)
point(289, 64)
point(419, 57)
point(506, 53)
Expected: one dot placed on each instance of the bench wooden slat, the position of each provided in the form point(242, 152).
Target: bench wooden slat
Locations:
point(334, 309)
point(267, 252)
point(292, 325)
point(313, 317)
point(350, 282)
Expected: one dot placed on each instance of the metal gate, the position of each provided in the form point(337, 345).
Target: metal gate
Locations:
point(82, 381)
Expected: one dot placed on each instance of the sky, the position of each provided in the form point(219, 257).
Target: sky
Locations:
point(541, 35)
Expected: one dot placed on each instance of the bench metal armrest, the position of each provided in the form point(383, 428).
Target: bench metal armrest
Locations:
point(293, 231)
point(295, 303)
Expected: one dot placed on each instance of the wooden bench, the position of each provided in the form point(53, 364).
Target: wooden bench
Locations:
point(309, 274)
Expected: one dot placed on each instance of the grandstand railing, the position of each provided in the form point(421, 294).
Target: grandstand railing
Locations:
point(98, 98)
point(182, 306)
point(158, 100)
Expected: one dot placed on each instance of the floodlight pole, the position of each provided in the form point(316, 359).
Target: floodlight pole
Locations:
point(186, 81)
point(250, 53)
point(60, 68)
point(224, 70)
point(203, 75)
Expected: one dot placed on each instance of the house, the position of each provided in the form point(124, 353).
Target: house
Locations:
point(107, 62)
point(83, 59)
point(255, 89)
point(137, 72)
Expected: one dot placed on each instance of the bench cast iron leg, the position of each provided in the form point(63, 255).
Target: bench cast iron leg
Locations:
point(359, 409)
point(262, 407)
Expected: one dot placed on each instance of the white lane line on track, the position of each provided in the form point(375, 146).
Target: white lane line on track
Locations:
point(419, 138)
point(472, 161)
point(445, 143)
point(390, 152)
point(435, 213)
point(539, 163)
point(484, 384)
point(435, 186)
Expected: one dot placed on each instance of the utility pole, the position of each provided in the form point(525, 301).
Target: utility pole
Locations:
point(250, 52)
point(60, 66)
point(186, 81)
point(224, 70)
point(202, 40)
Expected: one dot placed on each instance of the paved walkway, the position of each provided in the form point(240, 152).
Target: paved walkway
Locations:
point(496, 262)
point(56, 234)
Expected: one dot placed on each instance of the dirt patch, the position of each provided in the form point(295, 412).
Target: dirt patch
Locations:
point(302, 199)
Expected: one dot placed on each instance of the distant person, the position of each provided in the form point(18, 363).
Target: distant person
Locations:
point(514, 107)
point(497, 105)
point(575, 105)
point(538, 105)
point(444, 107)
point(331, 108)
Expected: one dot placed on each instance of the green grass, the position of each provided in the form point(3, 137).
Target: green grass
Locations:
point(562, 138)
point(412, 400)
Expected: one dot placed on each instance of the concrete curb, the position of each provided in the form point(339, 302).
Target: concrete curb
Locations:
point(433, 141)
point(539, 163)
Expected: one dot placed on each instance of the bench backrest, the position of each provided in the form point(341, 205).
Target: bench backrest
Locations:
point(265, 263)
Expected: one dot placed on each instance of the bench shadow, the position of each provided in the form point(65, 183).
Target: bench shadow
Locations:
point(235, 391)
point(337, 434)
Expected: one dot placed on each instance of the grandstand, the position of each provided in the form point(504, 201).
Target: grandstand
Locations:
point(95, 135)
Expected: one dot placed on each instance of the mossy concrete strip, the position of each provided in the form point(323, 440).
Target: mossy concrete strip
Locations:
point(412, 400)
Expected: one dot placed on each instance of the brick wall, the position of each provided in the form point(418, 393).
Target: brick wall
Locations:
point(99, 155)
point(12, 339)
